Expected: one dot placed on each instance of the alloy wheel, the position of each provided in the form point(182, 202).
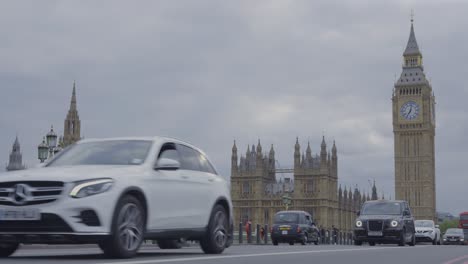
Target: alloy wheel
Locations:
point(130, 227)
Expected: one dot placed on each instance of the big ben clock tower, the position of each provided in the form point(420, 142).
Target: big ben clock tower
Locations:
point(414, 131)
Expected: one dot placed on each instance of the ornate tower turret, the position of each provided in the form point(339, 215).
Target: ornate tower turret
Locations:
point(374, 192)
point(234, 167)
point(72, 125)
point(323, 153)
point(16, 158)
point(297, 154)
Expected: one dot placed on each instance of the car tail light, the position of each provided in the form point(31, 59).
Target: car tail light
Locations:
point(298, 229)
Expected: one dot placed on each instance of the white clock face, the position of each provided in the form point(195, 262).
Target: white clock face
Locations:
point(409, 110)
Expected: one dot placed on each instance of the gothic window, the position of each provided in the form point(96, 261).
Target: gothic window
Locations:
point(310, 186)
point(246, 188)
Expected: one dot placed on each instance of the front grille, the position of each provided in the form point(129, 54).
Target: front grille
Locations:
point(375, 225)
point(48, 223)
point(20, 193)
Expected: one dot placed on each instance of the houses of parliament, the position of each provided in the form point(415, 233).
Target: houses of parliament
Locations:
point(257, 195)
point(71, 134)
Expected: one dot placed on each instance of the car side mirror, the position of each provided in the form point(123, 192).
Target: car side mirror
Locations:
point(167, 164)
point(406, 213)
point(358, 213)
point(437, 226)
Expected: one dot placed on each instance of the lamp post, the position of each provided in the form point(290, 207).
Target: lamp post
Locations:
point(51, 141)
point(42, 151)
point(48, 148)
point(286, 201)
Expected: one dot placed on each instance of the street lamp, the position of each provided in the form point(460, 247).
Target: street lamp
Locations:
point(286, 201)
point(42, 151)
point(51, 140)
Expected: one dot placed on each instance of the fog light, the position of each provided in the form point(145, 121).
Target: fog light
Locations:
point(359, 223)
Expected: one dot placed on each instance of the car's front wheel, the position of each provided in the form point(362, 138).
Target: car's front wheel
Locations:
point(7, 249)
point(216, 237)
point(127, 229)
point(357, 243)
point(412, 243)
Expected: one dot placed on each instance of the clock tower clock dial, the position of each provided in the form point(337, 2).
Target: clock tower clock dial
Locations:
point(414, 132)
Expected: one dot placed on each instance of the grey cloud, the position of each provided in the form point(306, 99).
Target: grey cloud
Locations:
point(210, 72)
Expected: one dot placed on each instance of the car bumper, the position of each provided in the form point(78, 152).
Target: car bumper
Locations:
point(66, 220)
point(454, 242)
point(389, 236)
point(287, 238)
point(424, 238)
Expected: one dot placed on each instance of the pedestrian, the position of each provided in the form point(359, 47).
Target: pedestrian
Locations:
point(335, 234)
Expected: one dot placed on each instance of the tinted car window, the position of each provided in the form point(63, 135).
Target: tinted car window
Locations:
point(189, 158)
point(423, 223)
point(168, 151)
point(286, 218)
point(111, 152)
point(205, 164)
point(381, 209)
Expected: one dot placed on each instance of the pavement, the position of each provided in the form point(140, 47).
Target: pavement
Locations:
point(259, 254)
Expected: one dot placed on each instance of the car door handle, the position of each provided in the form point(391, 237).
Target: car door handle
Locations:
point(211, 179)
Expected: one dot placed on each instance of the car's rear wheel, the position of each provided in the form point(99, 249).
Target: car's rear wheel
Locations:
point(7, 249)
point(216, 237)
point(316, 242)
point(371, 244)
point(275, 242)
point(305, 239)
point(127, 229)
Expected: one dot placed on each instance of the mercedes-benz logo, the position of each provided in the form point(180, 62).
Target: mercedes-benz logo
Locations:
point(21, 194)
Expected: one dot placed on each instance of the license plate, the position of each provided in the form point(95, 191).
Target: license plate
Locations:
point(31, 214)
point(375, 233)
point(284, 232)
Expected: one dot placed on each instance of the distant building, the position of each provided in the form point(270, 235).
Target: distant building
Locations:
point(257, 195)
point(16, 158)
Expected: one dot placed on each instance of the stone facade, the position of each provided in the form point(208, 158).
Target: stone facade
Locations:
point(414, 133)
point(16, 158)
point(257, 195)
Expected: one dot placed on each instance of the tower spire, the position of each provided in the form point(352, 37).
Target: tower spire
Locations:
point(412, 47)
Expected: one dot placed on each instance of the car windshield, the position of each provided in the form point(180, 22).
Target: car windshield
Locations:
point(381, 209)
point(286, 218)
point(454, 231)
point(424, 223)
point(114, 152)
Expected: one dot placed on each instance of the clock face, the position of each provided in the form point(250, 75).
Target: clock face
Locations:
point(409, 110)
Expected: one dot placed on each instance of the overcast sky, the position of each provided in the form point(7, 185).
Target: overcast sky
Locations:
point(210, 72)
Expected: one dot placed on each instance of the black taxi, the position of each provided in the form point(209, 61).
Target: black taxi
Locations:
point(385, 222)
point(294, 226)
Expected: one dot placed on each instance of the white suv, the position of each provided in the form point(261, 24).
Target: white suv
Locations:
point(117, 193)
point(427, 231)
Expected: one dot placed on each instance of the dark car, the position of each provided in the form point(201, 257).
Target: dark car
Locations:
point(454, 236)
point(293, 226)
point(385, 222)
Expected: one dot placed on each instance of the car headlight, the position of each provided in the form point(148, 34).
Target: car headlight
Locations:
point(394, 223)
point(88, 188)
point(358, 223)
